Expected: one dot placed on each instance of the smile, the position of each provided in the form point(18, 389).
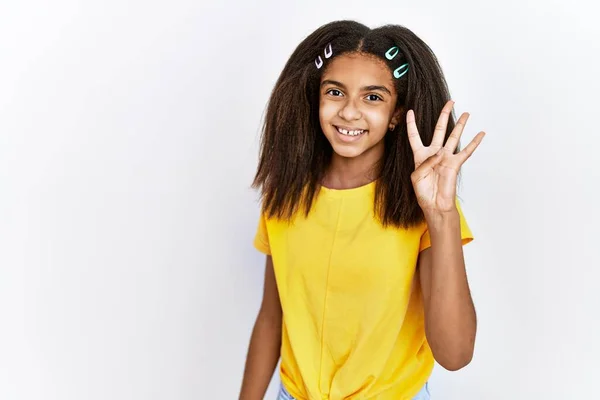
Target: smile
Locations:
point(354, 132)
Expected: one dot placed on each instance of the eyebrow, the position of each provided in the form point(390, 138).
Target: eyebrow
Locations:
point(364, 88)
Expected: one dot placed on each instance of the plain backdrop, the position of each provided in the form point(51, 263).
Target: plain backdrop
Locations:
point(128, 141)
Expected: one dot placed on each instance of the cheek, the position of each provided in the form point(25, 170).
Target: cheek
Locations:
point(377, 118)
point(327, 110)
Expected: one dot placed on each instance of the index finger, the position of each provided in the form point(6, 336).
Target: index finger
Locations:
point(413, 133)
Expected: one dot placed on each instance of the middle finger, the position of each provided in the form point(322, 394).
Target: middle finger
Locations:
point(440, 128)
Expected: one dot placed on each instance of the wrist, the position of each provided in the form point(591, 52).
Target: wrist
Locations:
point(441, 219)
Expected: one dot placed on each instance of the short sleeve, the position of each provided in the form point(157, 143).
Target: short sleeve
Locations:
point(261, 239)
point(465, 232)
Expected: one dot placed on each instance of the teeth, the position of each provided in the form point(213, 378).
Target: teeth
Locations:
point(350, 133)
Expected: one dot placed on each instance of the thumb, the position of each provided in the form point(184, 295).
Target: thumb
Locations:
point(432, 161)
point(427, 166)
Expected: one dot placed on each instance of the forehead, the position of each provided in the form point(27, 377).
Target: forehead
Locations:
point(359, 69)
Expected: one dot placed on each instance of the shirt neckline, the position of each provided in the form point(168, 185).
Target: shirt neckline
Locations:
point(329, 192)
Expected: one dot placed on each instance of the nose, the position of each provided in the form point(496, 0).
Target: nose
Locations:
point(349, 111)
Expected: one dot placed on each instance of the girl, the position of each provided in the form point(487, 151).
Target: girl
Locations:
point(365, 282)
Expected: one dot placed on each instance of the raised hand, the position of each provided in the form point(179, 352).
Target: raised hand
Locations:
point(436, 167)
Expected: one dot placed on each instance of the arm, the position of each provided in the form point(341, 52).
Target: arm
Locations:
point(265, 342)
point(450, 319)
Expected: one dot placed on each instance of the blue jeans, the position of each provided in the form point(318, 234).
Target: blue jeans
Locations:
point(422, 395)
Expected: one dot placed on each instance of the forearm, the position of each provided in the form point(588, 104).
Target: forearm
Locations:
point(451, 321)
point(263, 355)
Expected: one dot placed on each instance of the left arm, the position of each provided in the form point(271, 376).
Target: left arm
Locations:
point(450, 319)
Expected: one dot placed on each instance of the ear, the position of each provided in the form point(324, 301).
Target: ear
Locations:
point(396, 116)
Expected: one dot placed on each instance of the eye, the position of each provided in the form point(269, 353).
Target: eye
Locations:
point(333, 90)
point(376, 97)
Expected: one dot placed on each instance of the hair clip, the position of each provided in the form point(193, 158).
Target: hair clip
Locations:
point(319, 62)
point(328, 53)
point(397, 73)
point(389, 55)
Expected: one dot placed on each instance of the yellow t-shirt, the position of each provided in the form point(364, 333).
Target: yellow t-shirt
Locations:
point(353, 320)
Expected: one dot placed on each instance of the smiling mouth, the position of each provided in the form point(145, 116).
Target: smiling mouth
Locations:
point(351, 132)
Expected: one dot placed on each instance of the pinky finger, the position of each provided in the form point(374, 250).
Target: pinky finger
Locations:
point(465, 153)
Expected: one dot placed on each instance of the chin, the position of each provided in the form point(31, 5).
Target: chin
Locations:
point(347, 151)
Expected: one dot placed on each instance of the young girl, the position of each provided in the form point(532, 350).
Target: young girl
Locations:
point(365, 282)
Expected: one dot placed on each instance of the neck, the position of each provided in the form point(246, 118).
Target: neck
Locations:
point(352, 172)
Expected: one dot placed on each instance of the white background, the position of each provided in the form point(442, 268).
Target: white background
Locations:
point(128, 141)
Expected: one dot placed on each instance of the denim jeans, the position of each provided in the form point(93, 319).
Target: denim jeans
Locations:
point(422, 395)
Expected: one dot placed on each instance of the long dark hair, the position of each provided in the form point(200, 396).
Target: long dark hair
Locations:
point(294, 152)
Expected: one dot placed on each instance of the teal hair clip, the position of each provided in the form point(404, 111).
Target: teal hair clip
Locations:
point(390, 54)
point(397, 73)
